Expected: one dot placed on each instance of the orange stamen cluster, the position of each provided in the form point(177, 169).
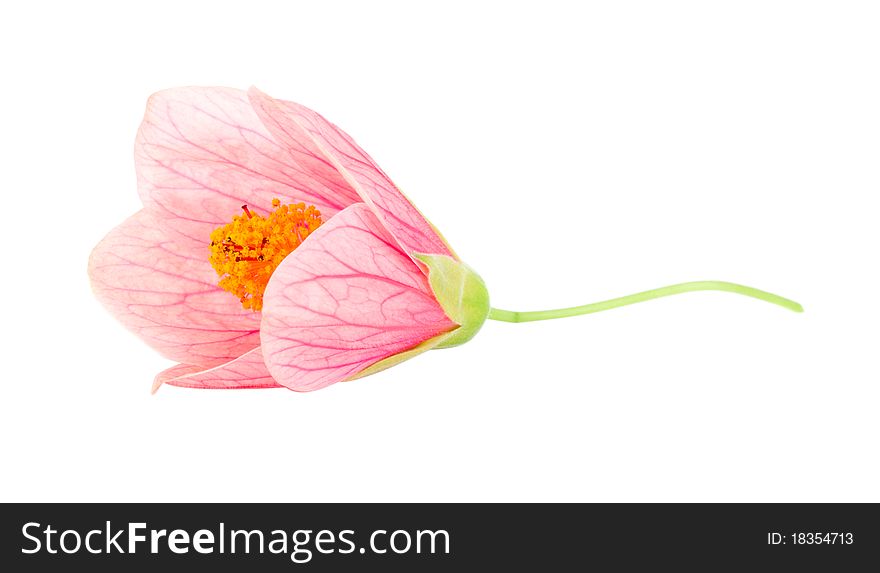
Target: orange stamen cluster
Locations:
point(247, 251)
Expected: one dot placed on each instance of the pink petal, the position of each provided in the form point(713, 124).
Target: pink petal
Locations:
point(168, 297)
point(345, 299)
point(201, 153)
point(246, 371)
point(306, 132)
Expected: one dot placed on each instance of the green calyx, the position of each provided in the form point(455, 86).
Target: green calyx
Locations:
point(462, 294)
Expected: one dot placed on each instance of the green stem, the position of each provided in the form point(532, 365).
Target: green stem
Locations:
point(513, 316)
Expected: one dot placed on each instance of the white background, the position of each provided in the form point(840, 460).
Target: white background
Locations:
point(570, 152)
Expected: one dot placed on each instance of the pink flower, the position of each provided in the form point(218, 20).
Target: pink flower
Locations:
point(272, 251)
point(373, 285)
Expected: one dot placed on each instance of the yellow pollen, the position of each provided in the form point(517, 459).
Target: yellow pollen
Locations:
point(247, 251)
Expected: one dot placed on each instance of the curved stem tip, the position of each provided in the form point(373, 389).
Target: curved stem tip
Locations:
point(530, 316)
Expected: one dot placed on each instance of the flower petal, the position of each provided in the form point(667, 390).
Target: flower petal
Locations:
point(201, 153)
point(169, 298)
point(246, 371)
point(303, 130)
point(396, 359)
point(347, 298)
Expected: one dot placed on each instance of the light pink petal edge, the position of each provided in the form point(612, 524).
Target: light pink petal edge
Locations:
point(307, 132)
point(246, 371)
point(168, 298)
point(202, 152)
point(345, 299)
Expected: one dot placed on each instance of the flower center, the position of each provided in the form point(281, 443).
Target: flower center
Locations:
point(247, 251)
